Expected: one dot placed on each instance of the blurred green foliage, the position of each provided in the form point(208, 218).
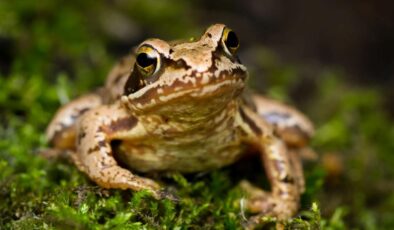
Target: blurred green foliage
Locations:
point(55, 50)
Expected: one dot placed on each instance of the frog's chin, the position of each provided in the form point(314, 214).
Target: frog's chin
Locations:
point(187, 94)
point(204, 99)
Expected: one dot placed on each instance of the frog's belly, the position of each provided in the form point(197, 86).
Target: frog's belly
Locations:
point(183, 158)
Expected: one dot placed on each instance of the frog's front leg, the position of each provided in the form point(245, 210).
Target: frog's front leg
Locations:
point(293, 127)
point(96, 130)
point(283, 199)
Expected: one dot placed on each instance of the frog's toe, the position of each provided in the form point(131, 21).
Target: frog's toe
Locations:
point(259, 222)
point(169, 194)
point(146, 183)
point(266, 203)
point(273, 207)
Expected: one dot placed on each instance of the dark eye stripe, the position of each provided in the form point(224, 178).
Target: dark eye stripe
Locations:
point(133, 83)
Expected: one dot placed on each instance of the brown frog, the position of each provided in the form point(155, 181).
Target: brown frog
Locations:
point(181, 106)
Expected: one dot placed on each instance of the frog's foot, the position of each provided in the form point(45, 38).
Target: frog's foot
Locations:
point(258, 221)
point(272, 206)
point(168, 194)
point(267, 204)
point(120, 178)
point(117, 177)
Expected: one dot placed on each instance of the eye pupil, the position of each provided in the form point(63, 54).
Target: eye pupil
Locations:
point(144, 60)
point(232, 40)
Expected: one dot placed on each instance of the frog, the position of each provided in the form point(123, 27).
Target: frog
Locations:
point(183, 106)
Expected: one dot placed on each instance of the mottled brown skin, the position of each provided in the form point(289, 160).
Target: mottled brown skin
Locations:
point(180, 107)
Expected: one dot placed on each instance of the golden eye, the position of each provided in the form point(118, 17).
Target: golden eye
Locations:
point(147, 61)
point(230, 41)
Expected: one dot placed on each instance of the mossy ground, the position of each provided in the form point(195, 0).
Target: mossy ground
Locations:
point(52, 52)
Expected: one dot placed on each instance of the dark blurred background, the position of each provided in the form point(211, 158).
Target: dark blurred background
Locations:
point(332, 59)
point(356, 36)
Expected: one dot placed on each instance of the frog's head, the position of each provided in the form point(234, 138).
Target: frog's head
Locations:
point(186, 78)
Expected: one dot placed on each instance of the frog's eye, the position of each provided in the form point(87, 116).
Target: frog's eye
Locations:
point(230, 41)
point(147, 61)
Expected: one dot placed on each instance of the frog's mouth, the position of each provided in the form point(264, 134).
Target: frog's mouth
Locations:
point(225, 86)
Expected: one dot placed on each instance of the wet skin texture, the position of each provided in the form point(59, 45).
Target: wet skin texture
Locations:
point(181, 106)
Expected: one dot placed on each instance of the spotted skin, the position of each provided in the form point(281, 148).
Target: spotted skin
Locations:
point(179, 107)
